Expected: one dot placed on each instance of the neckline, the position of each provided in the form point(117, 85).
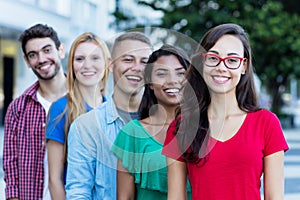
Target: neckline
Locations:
point(244, 123)
point(148, 134)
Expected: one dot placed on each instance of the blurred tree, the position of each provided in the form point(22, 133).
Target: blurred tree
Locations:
point(273, 30)
point(291, 6)
point(121, 18)
point(276, 48)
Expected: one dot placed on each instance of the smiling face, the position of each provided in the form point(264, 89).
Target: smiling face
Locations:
point(166, 80)
point(88, 64)
point(220, 79)
point(128, 66)
point(43, 57)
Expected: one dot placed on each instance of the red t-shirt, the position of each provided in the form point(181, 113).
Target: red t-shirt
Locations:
point(234, 167)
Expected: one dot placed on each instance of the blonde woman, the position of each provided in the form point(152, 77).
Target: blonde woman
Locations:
point(87, 74)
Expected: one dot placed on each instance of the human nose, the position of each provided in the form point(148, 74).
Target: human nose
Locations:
point(87, 63)
point(138, 66)
point(174, 78)
point(221, 65)
point(41, 57)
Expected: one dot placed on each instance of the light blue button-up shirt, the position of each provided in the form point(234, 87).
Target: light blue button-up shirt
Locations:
point(91, 172)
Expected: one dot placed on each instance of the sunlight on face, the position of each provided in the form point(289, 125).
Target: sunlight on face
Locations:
point(167, 79)
point(220, 79)
point(89, 64)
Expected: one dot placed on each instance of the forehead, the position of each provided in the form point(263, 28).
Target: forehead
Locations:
point(228, 44)
point(87, 47)
point(169, 62)
point(36, 44)
point(132, 47)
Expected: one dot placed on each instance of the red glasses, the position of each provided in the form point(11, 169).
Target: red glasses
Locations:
point(213, 60)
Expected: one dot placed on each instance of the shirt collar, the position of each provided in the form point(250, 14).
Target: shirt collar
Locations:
point(111, 110)
point(32, 90)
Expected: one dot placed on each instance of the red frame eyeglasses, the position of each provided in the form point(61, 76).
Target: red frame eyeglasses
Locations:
point(213, 60)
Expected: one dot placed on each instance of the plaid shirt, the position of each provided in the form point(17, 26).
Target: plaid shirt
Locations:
point(24, 148)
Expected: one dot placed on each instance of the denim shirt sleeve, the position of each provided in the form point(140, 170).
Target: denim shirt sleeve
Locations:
point(81, 165)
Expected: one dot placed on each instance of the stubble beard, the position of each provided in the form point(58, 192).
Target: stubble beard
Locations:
point(51, 76)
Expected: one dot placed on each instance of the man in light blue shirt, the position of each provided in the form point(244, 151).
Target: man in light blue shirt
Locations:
point(91, 172)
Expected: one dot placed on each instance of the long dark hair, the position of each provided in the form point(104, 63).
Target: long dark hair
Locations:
point(192, 121)
point(149, 99)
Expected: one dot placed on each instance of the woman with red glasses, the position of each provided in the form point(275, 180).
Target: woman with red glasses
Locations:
point(221, 138)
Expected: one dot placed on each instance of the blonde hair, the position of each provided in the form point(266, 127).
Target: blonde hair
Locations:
point(76, 104)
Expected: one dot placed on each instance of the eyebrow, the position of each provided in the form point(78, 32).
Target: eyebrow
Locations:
point(164, 69)
point(125, 55)
point(229, 54)
point(179, 68)
point(44, 47)
point(133, 56)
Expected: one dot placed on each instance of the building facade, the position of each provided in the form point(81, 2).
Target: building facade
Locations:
point(68, 17)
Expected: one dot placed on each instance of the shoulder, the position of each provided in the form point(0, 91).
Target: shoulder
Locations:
point(89, 129)
point(28, 94)
point(263, 112)
point(268, 125)
point(20, 102)
point(87, 117)
point(132, 128)
point(32, 90)
point(84, 126)
point(264, 115)
point(132, 124)
point(61, 102)
point(92, 119)
point(264, 122)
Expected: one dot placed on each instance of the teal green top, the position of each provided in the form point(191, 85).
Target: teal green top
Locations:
point(140, 154)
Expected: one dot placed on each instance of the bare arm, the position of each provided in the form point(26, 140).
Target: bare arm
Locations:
point(125, 183)
point(274, 176)
point(56, 170)
point(176, 180)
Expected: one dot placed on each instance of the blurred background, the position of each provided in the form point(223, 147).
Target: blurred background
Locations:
point(273, 27)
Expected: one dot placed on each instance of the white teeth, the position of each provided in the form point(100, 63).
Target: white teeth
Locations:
point(172, 90)
point(44, 67)
point(135, 78)
point(221, 79)
point(88, 73)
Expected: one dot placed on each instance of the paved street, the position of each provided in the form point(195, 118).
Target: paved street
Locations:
point(292, 165)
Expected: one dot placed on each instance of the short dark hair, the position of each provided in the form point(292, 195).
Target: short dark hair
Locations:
point(134, 35)
point(39, 31)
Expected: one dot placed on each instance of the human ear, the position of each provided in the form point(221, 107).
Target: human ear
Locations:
point(110, 65)
point(61, 51)
point(151, 86)
point(245, 65)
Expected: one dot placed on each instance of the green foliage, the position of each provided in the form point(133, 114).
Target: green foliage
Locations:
point(274, 33)
point(276, 48)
